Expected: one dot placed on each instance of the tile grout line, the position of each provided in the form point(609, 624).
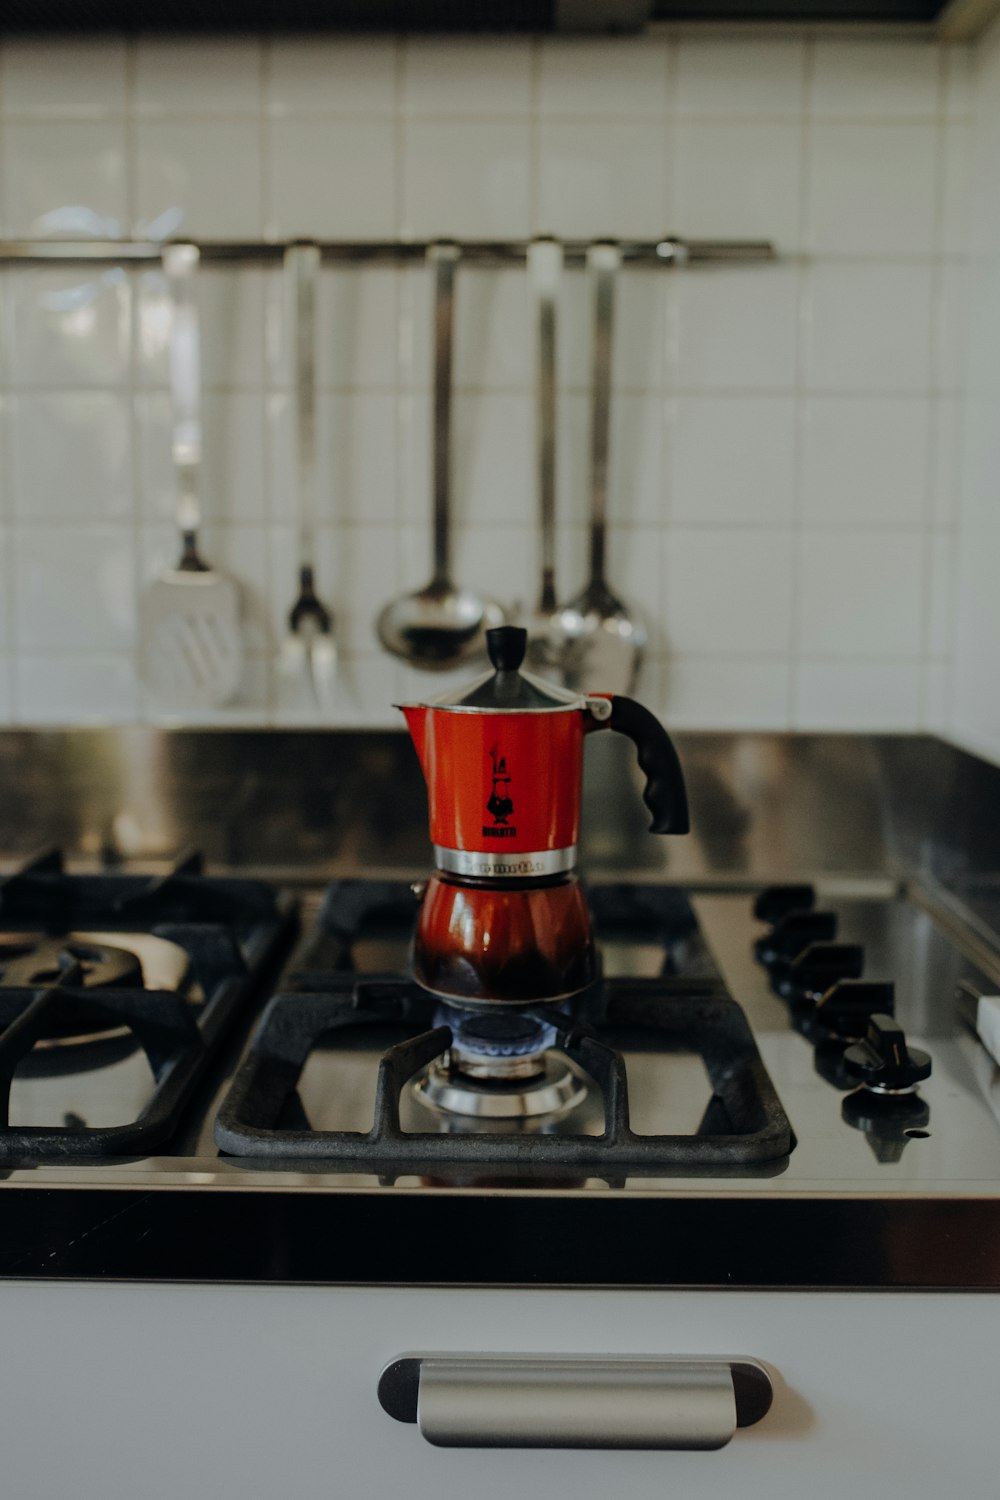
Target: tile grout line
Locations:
point(134, 282)
point(969, 119)
point(4, 224)
point(803, 329)
point(669, 412)
point(935, 333)
point(535, 136)
point(265, 44)
point(571, 390)
point(401, 298)
point(667, 358)
point(8, 574)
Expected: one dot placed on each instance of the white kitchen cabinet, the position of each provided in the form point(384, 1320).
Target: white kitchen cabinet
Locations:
point(160, 1391)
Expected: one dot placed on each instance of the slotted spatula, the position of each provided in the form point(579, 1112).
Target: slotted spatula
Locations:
point(190, 641)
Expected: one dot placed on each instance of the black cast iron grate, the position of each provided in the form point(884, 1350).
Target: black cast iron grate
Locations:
point(744, 1124)
point(43, 897)
point(227, 927)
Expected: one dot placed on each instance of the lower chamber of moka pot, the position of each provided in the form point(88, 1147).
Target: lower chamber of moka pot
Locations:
point(509, 943)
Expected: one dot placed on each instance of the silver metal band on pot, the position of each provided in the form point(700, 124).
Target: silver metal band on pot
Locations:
point(513, 866)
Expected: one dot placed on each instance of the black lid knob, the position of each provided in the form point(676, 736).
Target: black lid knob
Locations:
point(811, 973)
point(883, 1061)
point(846, 1009)
point(506, 645)
point(795, 932)
point(778, 900)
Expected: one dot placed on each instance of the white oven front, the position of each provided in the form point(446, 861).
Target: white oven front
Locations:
point(160, 1391)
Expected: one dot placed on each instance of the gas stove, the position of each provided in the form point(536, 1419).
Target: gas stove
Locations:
point(365, 1214)
point(777, 1086)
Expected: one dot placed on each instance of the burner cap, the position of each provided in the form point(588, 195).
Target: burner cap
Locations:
point(548, 1094)
point(29, 961)
point(73, 961)
point(499, 1034)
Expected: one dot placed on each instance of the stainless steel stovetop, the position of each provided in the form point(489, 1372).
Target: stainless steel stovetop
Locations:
point(954, 1151)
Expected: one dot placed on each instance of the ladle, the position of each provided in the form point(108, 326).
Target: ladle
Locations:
point(604, 644)
point(441, 625)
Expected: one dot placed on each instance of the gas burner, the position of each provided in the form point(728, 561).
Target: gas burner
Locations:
point(115, 993)
point(500, 1066)
point(496, 1045)
point(91, 962)
point(39, 962)
point(551, 1092)
point(34, 961)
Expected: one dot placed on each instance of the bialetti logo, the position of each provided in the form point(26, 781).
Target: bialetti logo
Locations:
point(499, 804)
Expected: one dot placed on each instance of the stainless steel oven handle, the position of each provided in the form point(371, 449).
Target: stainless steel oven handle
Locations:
point(550, 1401)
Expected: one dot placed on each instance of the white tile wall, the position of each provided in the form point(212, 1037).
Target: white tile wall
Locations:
point(872, 189)
point(197, 76)
point(738, 178)
point(854, 80)
point(712, 79)
point(196, 177)
point(65, 178)
point(865, 460)
point(303, 78)
point(70, 457)
point(862, 593)
point(351, 158)
point(463, 78)
point(868, 326)
point(78, 80)
point(787, 444)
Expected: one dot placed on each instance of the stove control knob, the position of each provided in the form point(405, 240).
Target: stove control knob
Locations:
point(890, 1122)
point(808, 977)
point(883, 1062)
point(778, 900)
point(846, 1009)
point(794, 932)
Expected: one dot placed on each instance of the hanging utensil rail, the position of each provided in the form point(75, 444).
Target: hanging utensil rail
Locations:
point(669, 251)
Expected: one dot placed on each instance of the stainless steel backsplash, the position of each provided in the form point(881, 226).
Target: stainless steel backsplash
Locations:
point(763, 806)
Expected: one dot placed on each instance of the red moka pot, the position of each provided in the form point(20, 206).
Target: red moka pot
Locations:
point(504, 920)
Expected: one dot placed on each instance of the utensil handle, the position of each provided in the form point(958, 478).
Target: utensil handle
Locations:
point(545, 262)
point(603, 261)
point(180, 263)
point(539, 1401)
point(302, 263)
point(664, 793)
point(442, 257)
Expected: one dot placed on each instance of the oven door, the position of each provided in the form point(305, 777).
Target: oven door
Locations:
point(228, 1391)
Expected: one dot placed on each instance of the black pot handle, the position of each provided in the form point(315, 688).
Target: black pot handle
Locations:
point(664, 793)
